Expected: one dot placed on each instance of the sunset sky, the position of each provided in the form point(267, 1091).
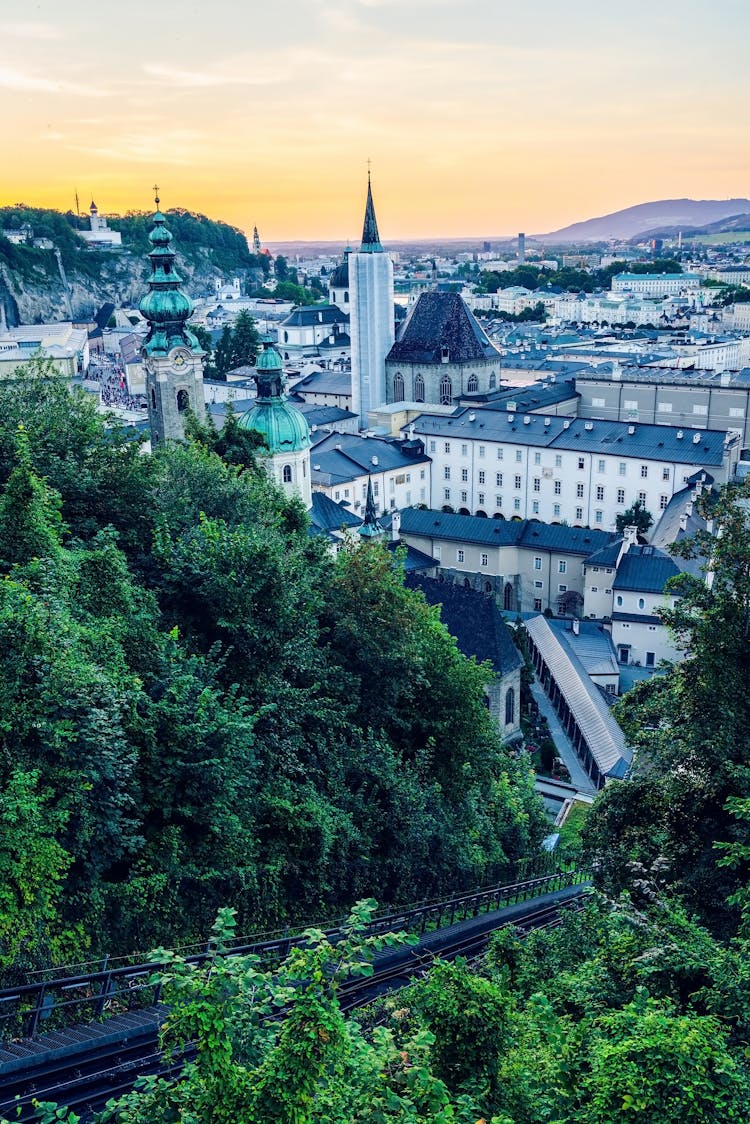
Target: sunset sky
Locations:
point(480, 117)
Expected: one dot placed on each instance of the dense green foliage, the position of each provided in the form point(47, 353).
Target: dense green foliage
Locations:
point(572, 280)
point(217, 711)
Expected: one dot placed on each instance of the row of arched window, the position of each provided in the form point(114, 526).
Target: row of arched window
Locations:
point(446, 388)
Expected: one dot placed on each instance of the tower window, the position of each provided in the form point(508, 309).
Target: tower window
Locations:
point(286, 474)
point(153, 398)
point(183, 400)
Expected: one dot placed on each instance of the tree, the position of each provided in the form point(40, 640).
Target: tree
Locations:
point(636, 516)
point(281, 268)
point(206, 342)
point(223, 358)
point(245, 341)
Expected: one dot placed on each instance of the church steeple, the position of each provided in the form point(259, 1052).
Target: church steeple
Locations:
point(370, 236)
point(165, 306)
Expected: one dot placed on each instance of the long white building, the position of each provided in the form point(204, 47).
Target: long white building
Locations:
point(583, 472)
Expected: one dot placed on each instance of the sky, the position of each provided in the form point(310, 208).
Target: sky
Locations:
point(478, 117)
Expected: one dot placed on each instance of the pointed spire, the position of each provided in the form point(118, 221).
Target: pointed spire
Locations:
point(370, 236)
point(371, 528)
point(165, 306)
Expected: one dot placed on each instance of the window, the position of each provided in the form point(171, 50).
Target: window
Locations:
point(581, 462)
point(447, 447)
point(517, 482)
point(499, 454)
point(641, 603)
point(393, 484)
point(509, 706)
point(437, 551)
point(446, 493)
point(376, 488)
point(537, 604)
point(619, 600)
point(602, 466)
point(598, 517)
point(459, 555)
point(558, 487)
point(642, 497)
point(398, 387)
point(499, 479)
point(556, 511)
point(535, 507)
point(484, 559)
point(364, 491)
point(736, 412)
point(432, 446)
point(498, 501)
point(562, 589)
point(464, 497)
point(446, 391)
point(579, 491)
point(418, 389)
point(464, 474)
point(652, 628)
point(464, 450)
point(663, 501)
point(595, 589)
point(700, 410)
point(421, 474)
point(537, 563)
point(337, 496)
point(558, 460)
point(516, 505)
point(599, 492)
point(579, 513)
point(480, 498)
point(537, 458)
point(665, 474)
point(622, 468)
point(482, 476)
point(537, 484)
point(538, 585)
point(519, 455)
point(183, 400)
point(473, 384)
point(621, 495)
point(447, 472)
point(644, 471)
point(482, 450)
point(562, 566)
point(493, 381)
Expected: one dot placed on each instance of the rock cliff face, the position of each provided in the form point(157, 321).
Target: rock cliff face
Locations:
point(49, 292)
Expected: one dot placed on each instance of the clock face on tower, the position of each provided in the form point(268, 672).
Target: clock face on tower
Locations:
point(179, 360)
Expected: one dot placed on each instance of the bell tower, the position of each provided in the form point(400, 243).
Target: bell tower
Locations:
point(172, 356)
point(371, 318)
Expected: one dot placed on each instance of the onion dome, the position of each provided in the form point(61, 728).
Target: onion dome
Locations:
point(282, 426)
point(165, 306)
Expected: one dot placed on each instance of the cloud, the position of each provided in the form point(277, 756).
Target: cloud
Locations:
point(11, 79)
point(39, 31)
point(171, 147)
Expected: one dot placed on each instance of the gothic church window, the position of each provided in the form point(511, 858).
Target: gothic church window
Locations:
point(398, 387)
point(446, 391)
point(419, 389)
point(510, 706)
point(493, 381)
point(473, 385)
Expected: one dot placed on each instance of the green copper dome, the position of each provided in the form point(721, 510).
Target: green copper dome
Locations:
point(283, 427)
point(165, 306)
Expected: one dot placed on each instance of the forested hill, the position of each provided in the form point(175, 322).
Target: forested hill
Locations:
point(199, 707)
point(31, 281)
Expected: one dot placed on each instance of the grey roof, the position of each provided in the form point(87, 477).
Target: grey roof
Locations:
point(325, 382)
point(592, 645)
point(338, 458)
point(535, 398)
point(644, 569)
point(503, 532)
point(603, 736)
point(608, 554)
point(474, 620)
point(439, 321)
point(321, 416)
point(637, 618)
point(649, 442)
point(326, 515)
point(313, 314)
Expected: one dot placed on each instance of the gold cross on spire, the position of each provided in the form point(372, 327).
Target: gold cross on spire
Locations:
point(156, 194)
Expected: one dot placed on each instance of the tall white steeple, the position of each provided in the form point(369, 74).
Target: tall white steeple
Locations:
point(371, 316)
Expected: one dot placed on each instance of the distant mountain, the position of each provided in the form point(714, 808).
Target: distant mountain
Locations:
point(679, 214)
point(722, 226)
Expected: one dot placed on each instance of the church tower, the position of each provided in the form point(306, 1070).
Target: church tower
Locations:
point(283, 428)
point(171, 354)
point(372, 316)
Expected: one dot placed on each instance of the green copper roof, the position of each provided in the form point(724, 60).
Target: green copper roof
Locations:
point(283, 427)
point(165, 306)
point(370, 236)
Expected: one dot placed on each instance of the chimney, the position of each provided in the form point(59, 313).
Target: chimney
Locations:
point(683, 522)
point(629, 538)
point(576, 626)
point(396, 526)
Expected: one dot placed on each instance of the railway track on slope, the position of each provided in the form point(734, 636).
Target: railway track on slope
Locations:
point(84, 1066)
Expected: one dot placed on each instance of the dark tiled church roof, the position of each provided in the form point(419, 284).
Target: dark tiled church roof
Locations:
point(440, 325)
point(473, 619)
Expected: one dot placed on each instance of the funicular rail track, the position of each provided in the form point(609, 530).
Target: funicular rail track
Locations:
point(85, 1064)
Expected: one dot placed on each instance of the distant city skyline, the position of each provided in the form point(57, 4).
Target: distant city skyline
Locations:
point(480, 118)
